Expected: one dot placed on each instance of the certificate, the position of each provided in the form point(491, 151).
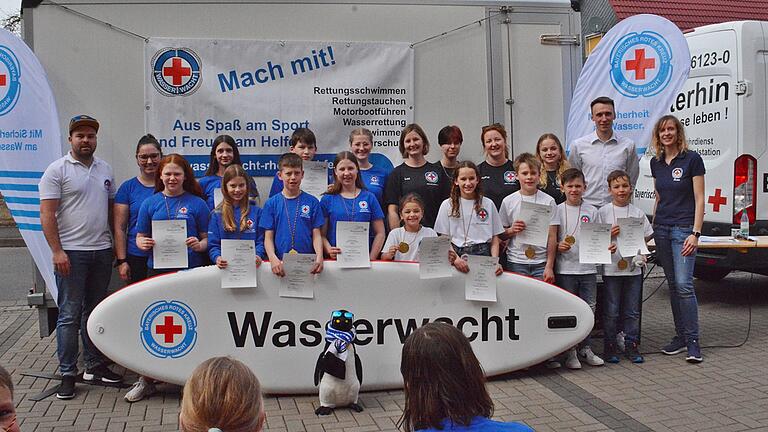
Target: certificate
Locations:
point(218, 197)
point(352, 239)
point(298, 281)
point(433, 258)
point(480, 282)
point(594, 240)
point(315, 180)
point(631, 236)
point(170, 250)
point(241, 264)
point(537, 218)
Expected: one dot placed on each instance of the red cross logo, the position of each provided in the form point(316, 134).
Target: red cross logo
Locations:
point(717, 200)
point(639, 64)
point(168, 329)
point(3, 80)
point(177, 72)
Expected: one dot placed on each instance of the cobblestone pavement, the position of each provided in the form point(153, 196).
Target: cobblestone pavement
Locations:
point(728, 392)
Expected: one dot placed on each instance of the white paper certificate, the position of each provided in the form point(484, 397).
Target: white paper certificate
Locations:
point(352, 239)
point(298, 281)
point(170, 250)
point(241, 264)
point(315, 180)
point(218, 197)
point(480, 282)
point(631, 236)
point(433, 258)
point(594, 240)
point(536, 218)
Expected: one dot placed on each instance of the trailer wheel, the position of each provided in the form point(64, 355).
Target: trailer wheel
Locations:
point(710, 274)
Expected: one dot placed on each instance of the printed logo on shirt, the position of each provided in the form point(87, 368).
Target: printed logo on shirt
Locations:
point(183, 210)
point(305, 211)
point(510, 177)
point(431, 177)
point(585, 218)
point(248, 224)
point(482, 214)
point(677, 174)
point(107, 185)
point(364, 207)
point(375, 180)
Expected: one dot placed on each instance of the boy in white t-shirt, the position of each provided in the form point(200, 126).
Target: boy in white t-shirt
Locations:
point(571, 275)
point(529, 260)
point(624, 276)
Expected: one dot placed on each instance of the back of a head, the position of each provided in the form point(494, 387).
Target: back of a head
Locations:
point(222, 393)
point(443, 379)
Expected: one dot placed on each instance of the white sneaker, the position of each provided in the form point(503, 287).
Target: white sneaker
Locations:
point(591, 358)
point(620, 341)
point(572, 362)
point(141, 389)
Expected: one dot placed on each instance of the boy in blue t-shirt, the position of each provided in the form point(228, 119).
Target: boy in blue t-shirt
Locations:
point(303, 144)
point(292, 219)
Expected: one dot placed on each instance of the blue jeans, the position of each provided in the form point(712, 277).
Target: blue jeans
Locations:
point(532, 270)
point(622, 293)
point(79, 293)
point(679, 272)
point(584, 286)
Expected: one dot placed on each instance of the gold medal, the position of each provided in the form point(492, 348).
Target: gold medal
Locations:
point(622, 264)
point(570, 239)
point(403, 247)
point(530, 252)
point(292, 252)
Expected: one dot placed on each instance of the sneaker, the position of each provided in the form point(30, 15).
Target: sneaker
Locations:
point(66, 388)
point(591, 358)
point(609, 354)
point(101, 373)
point(620, 345)
point(553, 363)
point(694, 352)
point(572, 362)
point(141, 389)
point(633, 354)
point(676, 346)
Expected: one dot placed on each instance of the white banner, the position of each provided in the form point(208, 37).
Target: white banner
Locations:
point(260, 91)
point(30, 139)
point(641, 64)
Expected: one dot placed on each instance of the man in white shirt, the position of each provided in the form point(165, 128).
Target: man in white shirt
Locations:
point(76, 194)
point(601, 152)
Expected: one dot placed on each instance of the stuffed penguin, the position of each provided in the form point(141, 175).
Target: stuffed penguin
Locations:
point(339, 371)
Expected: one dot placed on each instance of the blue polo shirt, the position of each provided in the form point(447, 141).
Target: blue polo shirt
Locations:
point(132, 193)
point(674, 184)
point(480, 424)
point(363, 208)
point(375, 179)
point(292, 217)
point(217, 233)
point(209, 184)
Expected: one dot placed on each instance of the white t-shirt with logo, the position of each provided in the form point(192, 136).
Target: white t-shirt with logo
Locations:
point(471, 227)
point(570, 219)
point(609, 214)
point(400, 235)
point(83, 193)
point(510, 209)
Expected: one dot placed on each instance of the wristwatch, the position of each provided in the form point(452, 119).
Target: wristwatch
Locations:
point(696, 234)
point(119, 261)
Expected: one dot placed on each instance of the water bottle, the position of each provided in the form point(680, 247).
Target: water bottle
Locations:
point(744, 226)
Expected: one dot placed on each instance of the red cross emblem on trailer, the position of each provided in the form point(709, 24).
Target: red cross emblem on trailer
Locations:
point(176, 71)
point(717, 200)
point(168, 329)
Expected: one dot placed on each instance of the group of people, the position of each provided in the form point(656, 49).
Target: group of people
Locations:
point(477, 206)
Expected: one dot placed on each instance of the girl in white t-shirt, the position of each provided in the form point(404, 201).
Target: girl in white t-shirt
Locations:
point(469, 218)
point(402, 243)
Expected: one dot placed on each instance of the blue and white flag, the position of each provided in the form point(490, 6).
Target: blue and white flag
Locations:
point(30, 140)
point(641, 63)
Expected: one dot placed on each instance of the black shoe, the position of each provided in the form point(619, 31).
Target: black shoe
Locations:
point(66, 388)
point(102, 373)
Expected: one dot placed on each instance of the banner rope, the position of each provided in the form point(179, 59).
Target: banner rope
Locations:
point(447, 32)
point(94, 19)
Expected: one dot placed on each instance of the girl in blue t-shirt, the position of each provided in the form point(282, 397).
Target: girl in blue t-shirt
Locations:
point(180, 198)
point(236, 217)
point(348, 200)
point(131, 261)
point(374, 177)
point(223, 154)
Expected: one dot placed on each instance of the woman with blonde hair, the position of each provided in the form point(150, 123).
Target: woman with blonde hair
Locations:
point(222, 395)
point(549, 151)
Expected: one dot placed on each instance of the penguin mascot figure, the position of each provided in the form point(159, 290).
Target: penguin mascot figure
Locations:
point(339, 371)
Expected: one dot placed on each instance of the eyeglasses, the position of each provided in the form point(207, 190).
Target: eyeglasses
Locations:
point(337, 314)
point(146, 157)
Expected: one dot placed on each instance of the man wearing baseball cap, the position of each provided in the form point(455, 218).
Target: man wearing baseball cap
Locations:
point(76, 194)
